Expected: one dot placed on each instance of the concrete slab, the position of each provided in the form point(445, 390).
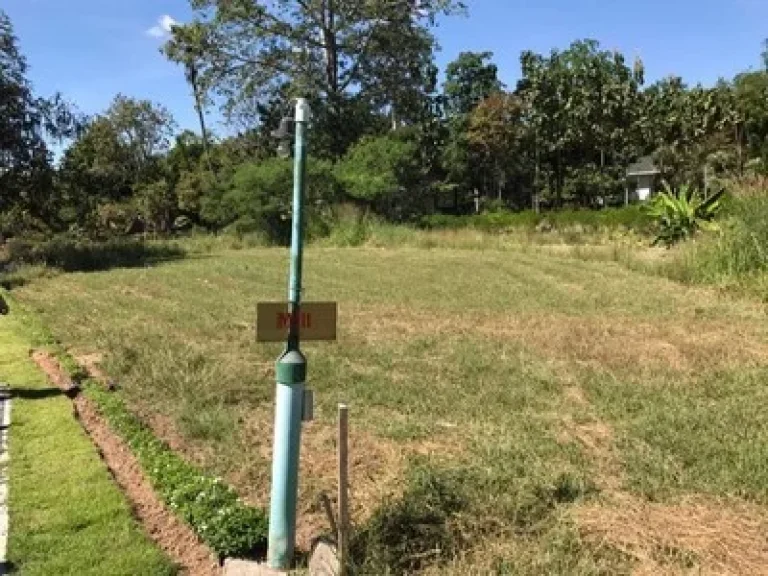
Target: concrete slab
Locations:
point(234, 567)
point(324, 560)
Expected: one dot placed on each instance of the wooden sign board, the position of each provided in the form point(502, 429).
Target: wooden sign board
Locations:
point(318, 321)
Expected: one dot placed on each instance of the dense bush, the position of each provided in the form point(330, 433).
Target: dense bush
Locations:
point(738, 251)
point(384, 172)
point(261, 197)
point(631, 217)
point(72, 254)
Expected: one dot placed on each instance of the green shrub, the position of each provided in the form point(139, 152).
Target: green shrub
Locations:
point(680, 214)
point(738, 252)
point(631, 217)
point(72, 254)
point(385, 173)
point(262, 195)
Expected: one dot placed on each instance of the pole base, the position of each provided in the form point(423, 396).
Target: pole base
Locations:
point(247, 568)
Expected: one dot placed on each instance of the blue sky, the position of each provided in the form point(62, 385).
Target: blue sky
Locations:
point(92, 49)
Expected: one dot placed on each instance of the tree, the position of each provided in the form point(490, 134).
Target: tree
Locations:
point(495, 136)
point(470, 80)
point(750, 97)
point(322, 49)
point(26, 175)
point(95, 170)
point(187, 47)
point(144, 128)
point(260, 197)
point(384, 173)
point(117, 155)
point(582, 104)
point(401, 88)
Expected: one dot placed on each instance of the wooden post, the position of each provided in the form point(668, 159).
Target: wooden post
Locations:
point(343, 535)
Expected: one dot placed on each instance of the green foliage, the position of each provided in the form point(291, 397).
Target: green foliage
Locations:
point(679, 215)
point(631, 217)
point(384, 173)
point(261, 197)
point(72, 254)
point(212, 508)
point(378, 55)
point(469, 80)
point(26, 122)
point(737, 256)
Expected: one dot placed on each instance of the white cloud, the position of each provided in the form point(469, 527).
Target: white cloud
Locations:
point(163, 26)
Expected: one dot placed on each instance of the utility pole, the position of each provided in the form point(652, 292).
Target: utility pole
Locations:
point(291, 378)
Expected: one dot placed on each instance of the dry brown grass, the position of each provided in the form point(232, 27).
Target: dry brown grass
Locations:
point(696, 536)
point(622, 343)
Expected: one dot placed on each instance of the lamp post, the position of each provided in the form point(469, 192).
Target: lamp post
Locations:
point(291, 376)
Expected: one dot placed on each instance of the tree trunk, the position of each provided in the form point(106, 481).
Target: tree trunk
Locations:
point(201, 117)
point(331, 50)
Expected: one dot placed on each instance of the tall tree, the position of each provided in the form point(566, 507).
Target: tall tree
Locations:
point(322, 49)
point(26, 175)
point(470, 80)
point(582, 104)
point(187, 47)
point(495, 136)
point(144, 128)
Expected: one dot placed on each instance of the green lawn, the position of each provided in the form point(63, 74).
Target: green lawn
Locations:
point(66, 514)
point(513, 412)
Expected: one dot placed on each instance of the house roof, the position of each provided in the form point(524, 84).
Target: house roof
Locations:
point(643, 167)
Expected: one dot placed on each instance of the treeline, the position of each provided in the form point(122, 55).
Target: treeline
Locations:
point(385, 135)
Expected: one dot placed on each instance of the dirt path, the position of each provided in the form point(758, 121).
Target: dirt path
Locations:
point(170, 533)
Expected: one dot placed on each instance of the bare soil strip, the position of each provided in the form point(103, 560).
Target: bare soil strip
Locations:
point(170, 533)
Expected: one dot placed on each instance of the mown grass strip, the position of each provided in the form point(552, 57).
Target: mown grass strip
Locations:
point(67, 516)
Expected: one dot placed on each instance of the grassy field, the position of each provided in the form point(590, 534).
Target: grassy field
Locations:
point(513, 412)
point(66, 514)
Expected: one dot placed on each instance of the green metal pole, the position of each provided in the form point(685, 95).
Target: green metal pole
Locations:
point(291, 378)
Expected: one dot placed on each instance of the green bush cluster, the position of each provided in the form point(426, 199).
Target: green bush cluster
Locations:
point(210, 507)
point(77, 254)
point(631, 217)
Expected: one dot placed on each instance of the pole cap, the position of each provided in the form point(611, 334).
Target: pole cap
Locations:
point(303, 111)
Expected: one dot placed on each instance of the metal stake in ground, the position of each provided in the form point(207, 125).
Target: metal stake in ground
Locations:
point(291, 378)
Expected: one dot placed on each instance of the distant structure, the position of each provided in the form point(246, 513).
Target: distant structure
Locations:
point(641, 178)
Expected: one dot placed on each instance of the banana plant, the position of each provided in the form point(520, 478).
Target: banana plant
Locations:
point(681, 214)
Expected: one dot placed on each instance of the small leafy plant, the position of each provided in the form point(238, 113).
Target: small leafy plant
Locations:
point(680, 214)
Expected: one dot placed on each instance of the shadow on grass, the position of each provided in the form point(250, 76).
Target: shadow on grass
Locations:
point(444, 513)
point(35, 393)
point(81, 256)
